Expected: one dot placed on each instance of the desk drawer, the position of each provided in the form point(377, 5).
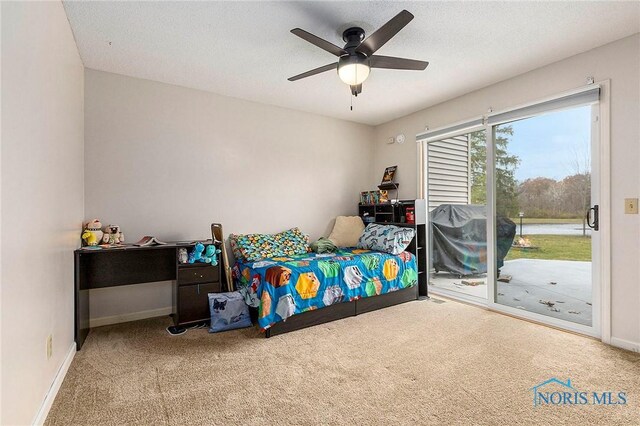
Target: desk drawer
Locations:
point(198, 274)
point(193, 302)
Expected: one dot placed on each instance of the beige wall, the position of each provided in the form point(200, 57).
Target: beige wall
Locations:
point(168, 161)
point(618, 61)
point(42, 199)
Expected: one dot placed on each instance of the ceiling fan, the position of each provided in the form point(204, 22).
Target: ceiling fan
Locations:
point(357, 57)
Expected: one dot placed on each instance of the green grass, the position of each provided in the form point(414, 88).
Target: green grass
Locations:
point(554, 247)
point(532, 220)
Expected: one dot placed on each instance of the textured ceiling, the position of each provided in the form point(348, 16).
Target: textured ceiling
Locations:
point(245, 49)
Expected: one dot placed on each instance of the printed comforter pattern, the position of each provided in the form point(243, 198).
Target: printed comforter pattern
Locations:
point(284, 286)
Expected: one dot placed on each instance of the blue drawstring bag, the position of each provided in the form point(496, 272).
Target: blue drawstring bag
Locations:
point(228, 312)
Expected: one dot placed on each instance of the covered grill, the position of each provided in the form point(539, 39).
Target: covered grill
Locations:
point(459, 238)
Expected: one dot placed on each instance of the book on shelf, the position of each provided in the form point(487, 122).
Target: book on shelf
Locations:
point(148, 240)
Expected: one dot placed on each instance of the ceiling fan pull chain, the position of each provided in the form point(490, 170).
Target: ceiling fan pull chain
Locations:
point(352, 102)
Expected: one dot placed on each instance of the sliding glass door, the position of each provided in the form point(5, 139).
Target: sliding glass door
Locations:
point(456, 200)
point(543, 194)
point(513, 211)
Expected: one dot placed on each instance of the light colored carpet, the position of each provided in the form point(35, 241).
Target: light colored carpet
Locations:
point(416, 363)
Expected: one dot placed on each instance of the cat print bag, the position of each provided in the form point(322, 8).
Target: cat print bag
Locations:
point(228, 312)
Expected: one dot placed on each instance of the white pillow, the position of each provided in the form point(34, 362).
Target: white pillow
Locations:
point(347, 231)
point(386, 238)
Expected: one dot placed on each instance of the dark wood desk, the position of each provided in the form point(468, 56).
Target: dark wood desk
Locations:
point(110, 267)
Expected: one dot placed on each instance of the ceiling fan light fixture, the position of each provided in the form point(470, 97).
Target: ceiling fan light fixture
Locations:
point(357, 57)
point(353, 69)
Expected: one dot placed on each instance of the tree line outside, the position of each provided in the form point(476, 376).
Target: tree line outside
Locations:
point(539, 197)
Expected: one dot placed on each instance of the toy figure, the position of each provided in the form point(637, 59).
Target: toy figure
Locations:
point(211, 255)
point(89, 238)
point(196, 253)
point(112, 235)
point(92, 233)
point(183, 256)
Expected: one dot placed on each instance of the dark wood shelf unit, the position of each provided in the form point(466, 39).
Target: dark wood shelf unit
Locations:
point(395, 214)
point(389, 186)
point(191, 288)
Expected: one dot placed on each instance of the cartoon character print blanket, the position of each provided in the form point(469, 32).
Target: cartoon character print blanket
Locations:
point(284, 286)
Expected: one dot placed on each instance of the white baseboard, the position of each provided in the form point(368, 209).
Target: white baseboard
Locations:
point(43, 412)
point(134, 316)
point(55, 387)
point(625, 344)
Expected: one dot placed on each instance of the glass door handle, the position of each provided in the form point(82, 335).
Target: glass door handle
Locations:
point(593, 224)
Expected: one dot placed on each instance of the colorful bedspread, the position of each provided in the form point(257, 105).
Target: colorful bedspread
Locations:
point(284, 286)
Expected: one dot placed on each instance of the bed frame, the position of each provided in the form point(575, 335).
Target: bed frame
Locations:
point(342, 310)
point(348, 309)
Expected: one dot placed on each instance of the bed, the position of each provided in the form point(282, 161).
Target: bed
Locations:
point(302, 290)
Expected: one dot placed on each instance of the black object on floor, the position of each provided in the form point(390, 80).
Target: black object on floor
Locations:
point(176, 330)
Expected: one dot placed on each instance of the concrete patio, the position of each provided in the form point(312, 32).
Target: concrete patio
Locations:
point(565, 284)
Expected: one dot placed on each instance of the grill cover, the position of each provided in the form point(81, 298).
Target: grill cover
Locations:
point(459, 238)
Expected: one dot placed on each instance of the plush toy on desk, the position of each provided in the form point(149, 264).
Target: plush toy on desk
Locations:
point(211, 255)
point(112, 235)
point(89, 238)
point(183, 256)
point(92, 233)
point(196, 253)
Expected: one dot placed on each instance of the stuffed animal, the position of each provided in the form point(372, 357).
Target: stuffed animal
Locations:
point(89, 238)
point(211, 255)
point(183, 256)
point(112, 235)
point(92, 233)
point(196, 253)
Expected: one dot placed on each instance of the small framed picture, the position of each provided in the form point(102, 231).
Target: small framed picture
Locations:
point(389, 174)
point(364, 197)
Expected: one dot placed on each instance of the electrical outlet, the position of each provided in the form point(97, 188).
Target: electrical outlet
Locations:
point(630, 206)
point(49, 346)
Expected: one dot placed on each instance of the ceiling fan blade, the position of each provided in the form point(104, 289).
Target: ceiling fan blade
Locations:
point(318, 70)
point(376, 40)
point(392, 63)
point(321, 43)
